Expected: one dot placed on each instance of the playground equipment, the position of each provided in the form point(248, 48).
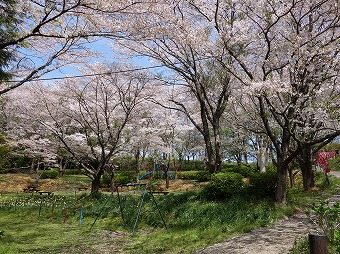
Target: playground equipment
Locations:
point(158, 169)
point(146, 190)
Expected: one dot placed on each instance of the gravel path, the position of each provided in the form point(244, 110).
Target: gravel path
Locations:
point(276, 239)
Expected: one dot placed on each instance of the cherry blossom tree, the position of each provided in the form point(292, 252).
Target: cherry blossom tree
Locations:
point(182, 37)
point(53, 34)
point(280, 52)
point(295, 68)
point(158, 131)
point(88, 117)
point(26, 135)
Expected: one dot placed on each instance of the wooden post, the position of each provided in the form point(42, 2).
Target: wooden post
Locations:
point(65, 213)
point(318, 244)
point(51, 214)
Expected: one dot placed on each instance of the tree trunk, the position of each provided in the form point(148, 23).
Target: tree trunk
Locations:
point(291, 174)
point(291, 178)
point(95, 184)
point(167, 178)
point(217, 144)
point(262, 159)
point(238, 157)
point(306, 165)
point(245, 155)
point(96, 179)
point(137, 158)
point(209, 156)
point(62, 166)
point(281, 188)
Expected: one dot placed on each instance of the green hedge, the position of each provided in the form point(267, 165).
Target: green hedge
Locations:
point(119, 178)
point(126, 177)
point(193, 166)
point(223, 185)
point(243, 170)
point(263, 184)
point(50, 174)
point(201, 176)
point(72, 172)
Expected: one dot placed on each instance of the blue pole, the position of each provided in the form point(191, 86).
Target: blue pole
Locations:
point(81, 216)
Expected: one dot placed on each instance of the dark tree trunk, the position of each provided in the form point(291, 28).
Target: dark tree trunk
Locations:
point(306, 165)
point(95, 184)
point(96, 179)
point(281, 188)
point(213, 154)
point(137, 159)
point(238, 157)
point(62, 166)
point(209, 155)
point(167, 182)
point(291, 177)
point(245, 158)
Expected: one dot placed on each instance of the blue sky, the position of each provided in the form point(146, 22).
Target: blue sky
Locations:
point(106, 54)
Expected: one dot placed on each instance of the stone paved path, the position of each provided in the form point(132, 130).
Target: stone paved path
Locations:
point(276, 239)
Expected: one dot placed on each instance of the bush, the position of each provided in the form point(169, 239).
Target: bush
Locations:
point(263, 184)
point(50, 174)
point(334, 164)
point(201, 176)
point(243, 170)
point(125, 177)
point(72, 172)
point(193, 166)
point(125, 163)
point(106, 179)
point(327, 217)
point(223, 185)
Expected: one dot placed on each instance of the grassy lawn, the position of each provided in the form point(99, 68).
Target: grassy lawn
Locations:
point(192, 222)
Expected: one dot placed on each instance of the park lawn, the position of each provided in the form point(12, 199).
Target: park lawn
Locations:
point(26, 232)
point(193, 224)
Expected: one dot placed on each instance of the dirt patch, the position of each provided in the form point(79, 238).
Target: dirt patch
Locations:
point(18, 182)
point(182, 185)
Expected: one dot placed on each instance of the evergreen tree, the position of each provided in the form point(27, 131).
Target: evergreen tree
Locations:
point(8, 30)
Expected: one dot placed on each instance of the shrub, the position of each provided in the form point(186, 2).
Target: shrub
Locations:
point(50, 174)
point(106, 179)
point(263, 184)
point(327, 217)
point(193, 166)
point(334, 164)
point(201, 176)
point(243, 170)
point(223, 185)
point(124, 177)
point(72, 172)
point(125, 163)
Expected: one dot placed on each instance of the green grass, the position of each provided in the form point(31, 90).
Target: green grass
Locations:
point(26, 233)
point(76, 179)
point(193, 222)
point(334, 164)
